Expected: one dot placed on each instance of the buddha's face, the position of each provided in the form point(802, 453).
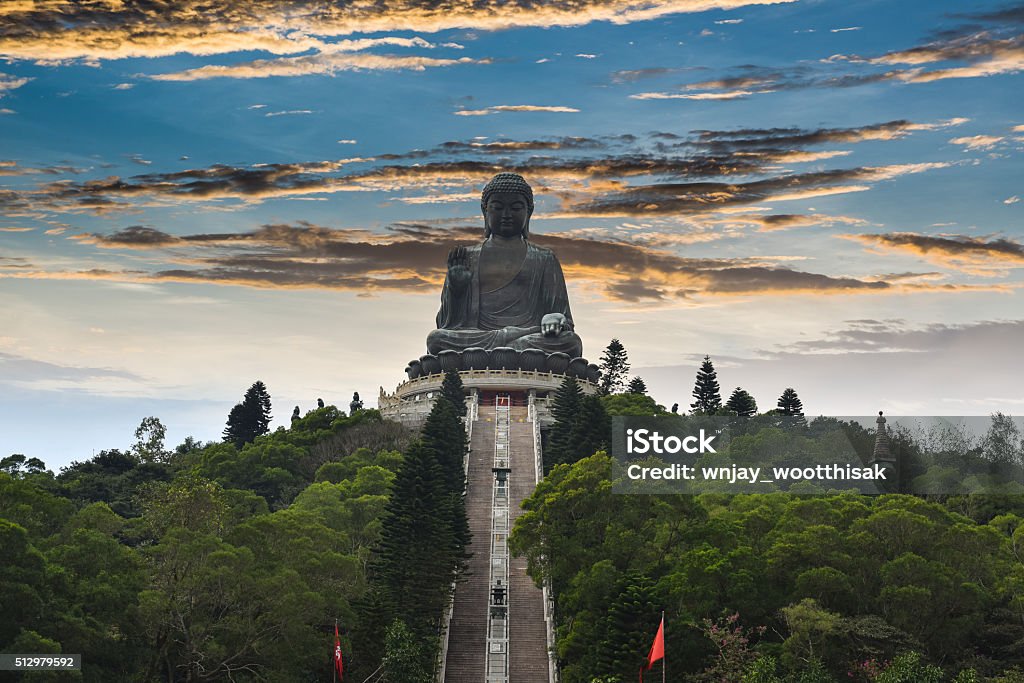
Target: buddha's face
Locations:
point(507, 214)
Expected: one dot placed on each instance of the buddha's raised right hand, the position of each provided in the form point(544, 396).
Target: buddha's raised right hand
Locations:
point(459, 273)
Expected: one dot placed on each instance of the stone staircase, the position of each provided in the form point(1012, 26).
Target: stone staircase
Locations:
point(528, 651)
point(467, 634)
point(467, 644)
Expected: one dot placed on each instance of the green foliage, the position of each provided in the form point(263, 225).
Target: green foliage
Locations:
point(707, 399)
point(908, 668)
point(250, 418)
point(631, 404)
point(149, 440)
point(789, 404)
point(614, 368)
point(453, 390)
point(637, 386)
point(733, 643)
point(741, 403)
point(406, 657)
point(582, 425)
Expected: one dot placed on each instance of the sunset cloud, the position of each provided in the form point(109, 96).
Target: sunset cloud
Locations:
point(976, 255)
point(620, 175)
point(63, 30)
point(516, 107)
point(325, 64)
point(411, 257)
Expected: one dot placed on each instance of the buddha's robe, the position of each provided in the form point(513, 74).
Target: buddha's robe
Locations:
point(509, 315)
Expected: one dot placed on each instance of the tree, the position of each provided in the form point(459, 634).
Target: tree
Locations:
point(591, 431)
point(149, 440)
point(789, 404)
point(1002, 442)
point(637, 386)
point(614, 367)
point(742, 403)
point(565, 409)
point(705, 390)
point(250, 418)
point(453, 390)
point(406, 658)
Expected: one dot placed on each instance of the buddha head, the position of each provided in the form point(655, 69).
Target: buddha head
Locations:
point(507, 204)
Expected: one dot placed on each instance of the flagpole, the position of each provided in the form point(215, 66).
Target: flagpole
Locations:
point(334, 659)
point(664, 659)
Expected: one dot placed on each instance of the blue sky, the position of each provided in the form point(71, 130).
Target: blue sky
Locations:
point(822, 195)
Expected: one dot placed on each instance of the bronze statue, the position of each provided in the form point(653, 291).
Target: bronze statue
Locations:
point(505, 291)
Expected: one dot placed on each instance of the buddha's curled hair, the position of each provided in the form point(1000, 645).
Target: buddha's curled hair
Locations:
point(507, 182)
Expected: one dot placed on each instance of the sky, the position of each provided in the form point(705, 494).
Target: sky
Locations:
point(818, 194)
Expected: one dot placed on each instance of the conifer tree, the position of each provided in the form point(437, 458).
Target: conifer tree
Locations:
point(631, 620)
point(444, 435)
point(741, 403)
point(791, 409)
point(418, 551)
point(705, 390)
point(565, 409)
point(591, 430)
point(637, 386)
point(789, 404)
point(453, 390)
point(250, 418)
point(614, 368)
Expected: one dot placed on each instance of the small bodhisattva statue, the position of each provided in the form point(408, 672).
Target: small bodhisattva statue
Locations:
point(505, 291)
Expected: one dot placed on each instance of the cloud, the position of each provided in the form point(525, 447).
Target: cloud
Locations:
point(289, 112)
point(12, 168)
point(347, 142)
point(132, 237)
point(306, 65)
point(697, 197)
point(976, 255)
point(5, 111)
point(896, 336)
point(2, 229)
point(9, 83)
point(633, 75)
point(977, 142)
point(66, 30)
point(124, 86)
point(731, 95)
point(729, 21)
point(788, 221)
point(588, 175)
point(516, 108)
point(843, 30)
point(21, 371)
point(411, 257)
point(1011, 200)
point(968, 51)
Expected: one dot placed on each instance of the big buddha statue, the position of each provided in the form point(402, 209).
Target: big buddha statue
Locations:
point(505, 291)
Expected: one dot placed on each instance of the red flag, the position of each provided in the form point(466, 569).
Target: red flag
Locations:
point(337, 653)
point(657, 649)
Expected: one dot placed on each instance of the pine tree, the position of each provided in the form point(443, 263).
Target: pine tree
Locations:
point(789, 404)
point(741, 403)
point(565, 409)
point(614, 367)
point(444, 435)
point(637, 386)
point(705, 390)
point(453, 390)
point(250, 418)
point(632, 618)
point(418, 553)
point(591, 430)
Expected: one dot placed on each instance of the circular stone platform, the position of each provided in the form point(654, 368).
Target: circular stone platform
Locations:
point(411, 401)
